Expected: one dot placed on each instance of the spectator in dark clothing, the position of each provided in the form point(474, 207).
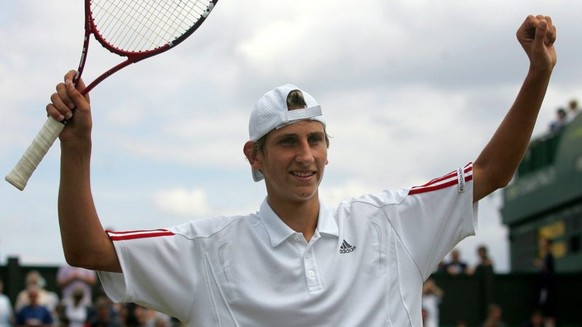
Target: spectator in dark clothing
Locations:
point(485, 264)
point(34, 314)
point(456, 266)
point(536, 320)
point(558, 124)
point(104, 315)
point(547, 282)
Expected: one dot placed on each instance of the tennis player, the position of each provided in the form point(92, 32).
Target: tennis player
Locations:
point(295, 262)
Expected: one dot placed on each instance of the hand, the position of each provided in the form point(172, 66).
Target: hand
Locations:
point(70, 106)
point(537, 36)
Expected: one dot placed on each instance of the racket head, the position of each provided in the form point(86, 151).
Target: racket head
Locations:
point(138, 29)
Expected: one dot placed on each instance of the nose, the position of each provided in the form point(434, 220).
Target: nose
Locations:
point(304, 153)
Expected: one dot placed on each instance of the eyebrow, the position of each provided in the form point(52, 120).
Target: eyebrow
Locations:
point(316, 133)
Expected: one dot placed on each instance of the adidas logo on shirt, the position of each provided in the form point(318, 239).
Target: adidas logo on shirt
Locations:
point(346, 247)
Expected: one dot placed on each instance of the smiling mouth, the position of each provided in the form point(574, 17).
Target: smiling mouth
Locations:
point(302, 174)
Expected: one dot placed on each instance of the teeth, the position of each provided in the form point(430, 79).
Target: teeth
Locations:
point(302, 174)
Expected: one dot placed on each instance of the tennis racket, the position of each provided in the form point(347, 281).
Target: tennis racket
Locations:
point(135, 29)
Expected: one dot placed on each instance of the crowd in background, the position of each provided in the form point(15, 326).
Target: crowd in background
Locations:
point(432, 294)
point(75, 306)
point(542, 315)
point(564, 115)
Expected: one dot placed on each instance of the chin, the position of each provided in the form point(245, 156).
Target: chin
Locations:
point(307, 195)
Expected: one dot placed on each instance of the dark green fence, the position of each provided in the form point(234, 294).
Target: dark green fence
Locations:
point(467, 297)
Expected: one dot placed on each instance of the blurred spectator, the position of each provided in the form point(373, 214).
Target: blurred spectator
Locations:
point(573, 109)
point(6, 314)
point(431, 299)
point(441, 267)
point(456, 266)
point(494, 317)
point(75, 312)
point(536, 320)
point(558, 124)
point(70, 279)
point(150, 318)
point(45, 298)
point(485, 264)
point(547, 282)
point(104, 314)
point(34, 314)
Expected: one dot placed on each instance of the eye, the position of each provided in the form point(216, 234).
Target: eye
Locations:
point(315, 139)
point(288, 140)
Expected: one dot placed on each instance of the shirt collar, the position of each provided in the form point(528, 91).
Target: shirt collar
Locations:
point(278, 231)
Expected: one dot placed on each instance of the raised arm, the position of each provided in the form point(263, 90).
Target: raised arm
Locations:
point(499, 160)
point(85, 242)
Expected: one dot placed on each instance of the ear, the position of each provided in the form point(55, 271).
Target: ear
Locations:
point(251, 153)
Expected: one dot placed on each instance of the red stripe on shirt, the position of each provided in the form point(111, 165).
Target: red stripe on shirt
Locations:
point(468, 168)
point(138, 234)
point(445, 181)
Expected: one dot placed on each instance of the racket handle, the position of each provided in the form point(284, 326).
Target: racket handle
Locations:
point(33, 156)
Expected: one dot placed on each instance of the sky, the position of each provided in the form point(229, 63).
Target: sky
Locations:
point(411, 89)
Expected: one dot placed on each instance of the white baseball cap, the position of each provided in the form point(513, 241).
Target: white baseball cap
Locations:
point(271, 112)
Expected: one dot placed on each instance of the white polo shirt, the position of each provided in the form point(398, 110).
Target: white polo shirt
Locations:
point(364, 266)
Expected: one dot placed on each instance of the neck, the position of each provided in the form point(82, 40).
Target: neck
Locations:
point(301, 216)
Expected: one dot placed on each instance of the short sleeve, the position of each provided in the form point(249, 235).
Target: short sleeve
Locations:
point(434, 217)
point(159, 271)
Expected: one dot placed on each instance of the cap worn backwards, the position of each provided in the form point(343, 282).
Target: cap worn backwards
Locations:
point(271, 112)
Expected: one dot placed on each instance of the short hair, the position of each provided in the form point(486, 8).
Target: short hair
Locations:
point(295, 99)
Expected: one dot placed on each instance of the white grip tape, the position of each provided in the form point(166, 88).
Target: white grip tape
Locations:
point(33, 156)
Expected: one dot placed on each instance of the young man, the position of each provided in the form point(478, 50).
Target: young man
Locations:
point(295, 262)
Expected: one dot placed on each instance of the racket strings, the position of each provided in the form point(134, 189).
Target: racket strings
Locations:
point(143, 25)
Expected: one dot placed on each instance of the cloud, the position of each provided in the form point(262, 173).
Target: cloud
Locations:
point(183, 202)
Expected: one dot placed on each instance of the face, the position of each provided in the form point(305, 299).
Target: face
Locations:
point(293, 161)
point(33, 296)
